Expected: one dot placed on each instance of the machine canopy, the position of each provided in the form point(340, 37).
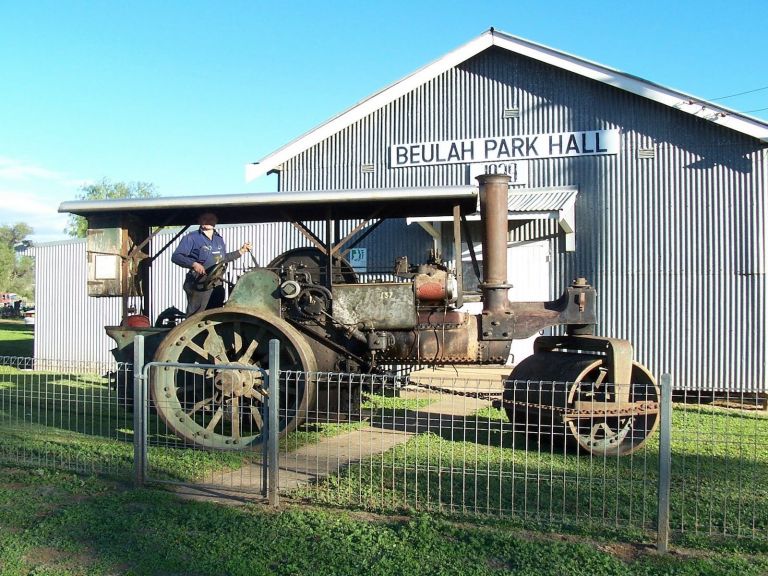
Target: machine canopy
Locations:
point(120, 230)
point(281, 206)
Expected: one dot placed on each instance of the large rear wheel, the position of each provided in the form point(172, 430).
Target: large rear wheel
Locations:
point(225, 408)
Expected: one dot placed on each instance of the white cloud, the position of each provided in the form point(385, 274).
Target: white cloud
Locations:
point(18, 170)
point(30, 193)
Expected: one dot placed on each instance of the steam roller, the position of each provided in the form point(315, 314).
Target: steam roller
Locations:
point(585, 389)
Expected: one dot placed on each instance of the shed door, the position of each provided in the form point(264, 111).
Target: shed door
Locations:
point(528, 272)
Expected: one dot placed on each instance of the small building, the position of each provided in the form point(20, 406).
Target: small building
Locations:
point(657, 197)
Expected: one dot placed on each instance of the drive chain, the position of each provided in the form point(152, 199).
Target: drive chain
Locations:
point(639, 408)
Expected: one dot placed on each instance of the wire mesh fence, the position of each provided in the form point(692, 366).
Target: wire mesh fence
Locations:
point(463, 444)
point(435, 441)
point(719, 480)
point(69, 415)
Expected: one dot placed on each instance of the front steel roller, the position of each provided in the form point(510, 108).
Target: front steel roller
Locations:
point(225, 409)
point(569, 393)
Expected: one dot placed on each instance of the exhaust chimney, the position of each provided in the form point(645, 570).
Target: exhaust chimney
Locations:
point(494, 190)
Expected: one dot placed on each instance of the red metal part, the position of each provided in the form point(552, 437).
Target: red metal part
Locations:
point(431, 291)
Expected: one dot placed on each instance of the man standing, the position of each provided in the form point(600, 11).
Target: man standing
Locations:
point(200, 251)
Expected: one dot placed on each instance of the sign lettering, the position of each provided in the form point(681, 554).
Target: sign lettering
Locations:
point(504, 149)
point(358, 259)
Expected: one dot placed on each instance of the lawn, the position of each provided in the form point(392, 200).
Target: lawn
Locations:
point(479, 472)
point(719, 479)
point(16, 338)
point(58, 523)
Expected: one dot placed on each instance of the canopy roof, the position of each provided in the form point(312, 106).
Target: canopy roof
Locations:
point(284, 206)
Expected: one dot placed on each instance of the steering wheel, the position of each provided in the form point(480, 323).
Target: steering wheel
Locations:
point(213, 277)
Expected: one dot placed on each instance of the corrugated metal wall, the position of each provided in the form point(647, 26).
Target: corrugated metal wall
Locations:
point(674, 244)
point(69, 325)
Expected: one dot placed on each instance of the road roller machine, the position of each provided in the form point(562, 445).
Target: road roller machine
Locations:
point(576, 385)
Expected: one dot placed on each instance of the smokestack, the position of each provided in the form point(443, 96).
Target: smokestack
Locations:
point(494, 190)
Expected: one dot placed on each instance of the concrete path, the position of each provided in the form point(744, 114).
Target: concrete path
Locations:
point(384, 431)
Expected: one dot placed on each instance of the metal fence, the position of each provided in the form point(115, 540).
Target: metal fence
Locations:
point(69, 415)
point(459, 444)
point(435, 441)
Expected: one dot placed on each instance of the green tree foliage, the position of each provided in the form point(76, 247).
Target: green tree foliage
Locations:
point(106, 190)
point(17, 272)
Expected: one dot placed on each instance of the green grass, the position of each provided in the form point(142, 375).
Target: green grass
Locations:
point(78, 422)
point(382, 402)
point(57, 523)
point(16, 338)
point(719, 477)
point(476, 470)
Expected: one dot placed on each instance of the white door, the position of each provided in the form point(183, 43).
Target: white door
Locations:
point(528, 272)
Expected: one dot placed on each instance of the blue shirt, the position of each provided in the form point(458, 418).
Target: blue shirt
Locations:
point(197, 247)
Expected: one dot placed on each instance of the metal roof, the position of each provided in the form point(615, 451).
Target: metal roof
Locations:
point(545, 200)
point(525, 204)
point(531, 204)
point(284, 206)
point(680, 100)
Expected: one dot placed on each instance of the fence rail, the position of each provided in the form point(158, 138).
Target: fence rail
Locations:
point(462, 443)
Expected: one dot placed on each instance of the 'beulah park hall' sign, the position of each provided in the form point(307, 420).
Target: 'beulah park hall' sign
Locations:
point(505, 148)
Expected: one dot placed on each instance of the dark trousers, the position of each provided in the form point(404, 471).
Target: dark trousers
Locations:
point(199, 300)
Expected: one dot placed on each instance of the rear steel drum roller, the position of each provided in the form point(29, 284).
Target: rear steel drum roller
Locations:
point(570, 389)
point(225, 409)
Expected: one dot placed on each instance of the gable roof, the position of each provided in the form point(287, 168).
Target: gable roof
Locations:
point(673, 98)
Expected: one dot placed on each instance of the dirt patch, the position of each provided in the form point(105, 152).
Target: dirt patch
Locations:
point(625, 552)
point(51, 557)
point(378, 518)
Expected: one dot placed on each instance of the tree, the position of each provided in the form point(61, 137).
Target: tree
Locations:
point(106, 190)
point(17, 273)
point(14, 235)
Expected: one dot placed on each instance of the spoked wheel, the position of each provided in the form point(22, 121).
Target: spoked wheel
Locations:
point(602, 418)
point(225, 408)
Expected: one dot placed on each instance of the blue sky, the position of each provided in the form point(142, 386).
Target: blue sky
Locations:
point(183, 94)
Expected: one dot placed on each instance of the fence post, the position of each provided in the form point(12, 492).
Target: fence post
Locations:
point(665, 463)
point(139, 413)
point(273, 437)
point(265, 446)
